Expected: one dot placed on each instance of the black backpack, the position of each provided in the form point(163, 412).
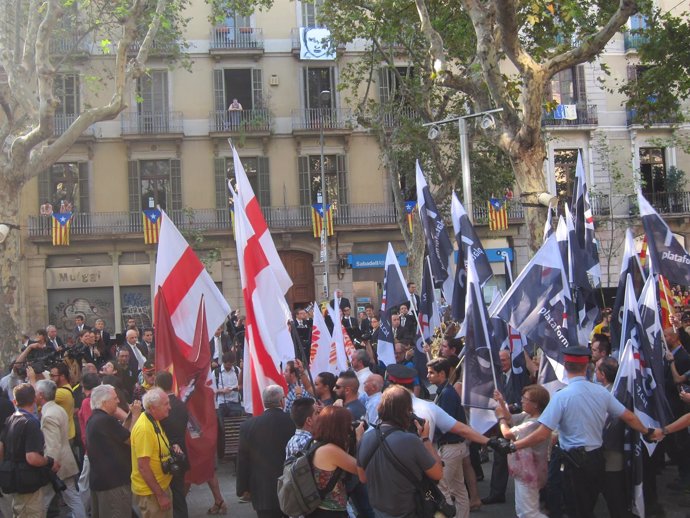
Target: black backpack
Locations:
point(298, 493)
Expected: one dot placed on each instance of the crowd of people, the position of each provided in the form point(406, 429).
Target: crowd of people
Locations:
point(91, 422)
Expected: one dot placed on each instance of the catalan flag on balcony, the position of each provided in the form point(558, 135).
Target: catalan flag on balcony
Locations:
point(498, 214)
point(317, 219)
point(410, 206)
point(151, 219)
point(61, 226)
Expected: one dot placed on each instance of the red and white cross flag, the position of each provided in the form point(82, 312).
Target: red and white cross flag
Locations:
point(268, 342)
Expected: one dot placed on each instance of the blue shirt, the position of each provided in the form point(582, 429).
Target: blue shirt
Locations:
point(297, 443)
point(579, 413)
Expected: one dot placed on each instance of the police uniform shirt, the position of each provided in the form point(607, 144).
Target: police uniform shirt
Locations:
point(579, 413)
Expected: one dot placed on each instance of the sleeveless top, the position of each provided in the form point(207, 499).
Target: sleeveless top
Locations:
point(336, 500)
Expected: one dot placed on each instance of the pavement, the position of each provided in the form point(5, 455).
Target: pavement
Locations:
point(676, 504)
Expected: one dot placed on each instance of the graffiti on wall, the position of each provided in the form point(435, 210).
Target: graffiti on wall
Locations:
point(64, 305)
point(136, 304)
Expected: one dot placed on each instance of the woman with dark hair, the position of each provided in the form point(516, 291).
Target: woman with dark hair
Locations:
point(324, 389)
point(332, 428)
point(384, 453)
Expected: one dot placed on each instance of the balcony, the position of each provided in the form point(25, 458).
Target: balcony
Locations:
point(395, 117)
point(331, 120)
point(586, 115)
point(66, 44)
point(151, 123)
point(633, 40)
point(669, 203)
point(252, 122)
point(652, 118)
point(293, 218)
point(62, 121)
point(480, 211)
point(158, 48)
point(236, 40)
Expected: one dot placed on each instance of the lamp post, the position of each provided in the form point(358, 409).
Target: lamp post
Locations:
point(324, 100)
point(487, 122)
point(5, 230)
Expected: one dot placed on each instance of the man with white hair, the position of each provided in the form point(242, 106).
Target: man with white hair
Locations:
point(136, 358)
point(54, 340)
point(150, 451)
point(261, 453)
point(110, 457)
point(55, 428)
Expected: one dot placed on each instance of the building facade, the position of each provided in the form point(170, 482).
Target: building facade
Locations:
point(265, 83)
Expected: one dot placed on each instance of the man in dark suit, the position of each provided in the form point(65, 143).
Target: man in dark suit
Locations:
point(414, 303)
point(512, 384)
point(677, 444)
point(261, 453)
point(303, 325)
point(220, 344)
point(146, 345)
point(54, 340)
point(79, 325)
point(408, 321)
point(344, 302)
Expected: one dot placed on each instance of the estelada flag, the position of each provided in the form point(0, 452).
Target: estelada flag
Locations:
point(498, 215)
point(410, 206)
point(61, 228)
point(328, 219)
point(317, 219)
point(151, 220)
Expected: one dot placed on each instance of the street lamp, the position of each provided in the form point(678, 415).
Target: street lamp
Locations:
point(487, 122)
point(324, 100)
point(5, 230)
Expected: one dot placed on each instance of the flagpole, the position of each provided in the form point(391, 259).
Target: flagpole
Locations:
point(297, 343)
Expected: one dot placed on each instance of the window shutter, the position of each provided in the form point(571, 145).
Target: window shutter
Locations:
point(219, 91)
point(44, 193)
point(384, 85)
point(342, 179)
point(264, 181)
point(134, 186)
point(304, 180)
point(222, 192)
point(84, 187)
point(580, 84)
point(175, 185)
point(257, 89)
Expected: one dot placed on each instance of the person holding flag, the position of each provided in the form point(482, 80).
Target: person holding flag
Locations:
point(579, 412)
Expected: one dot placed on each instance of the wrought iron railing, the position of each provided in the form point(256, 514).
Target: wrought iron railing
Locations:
point(62, 121)
point(585, 114)
point(151, 123)
point(633, 40)
point(223, 37)
point(321, 118)
point(645, 119)
point(480, 210)
point(241, 121)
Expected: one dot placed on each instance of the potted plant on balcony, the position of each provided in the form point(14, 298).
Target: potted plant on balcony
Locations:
point(675, 183)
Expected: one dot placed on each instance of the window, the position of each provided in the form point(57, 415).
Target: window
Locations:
point(152, 90)
point(257, 171)
point(565, 162)
point(310, 179)
point(568, 86)
point(390, 83)
point(311, 12)
point(243, 84)
point(155, 183)
point(652, 170)
point(317, 80)
point(64, 188)
point(66, 89)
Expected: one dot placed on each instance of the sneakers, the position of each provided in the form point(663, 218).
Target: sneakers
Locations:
point(244, 499)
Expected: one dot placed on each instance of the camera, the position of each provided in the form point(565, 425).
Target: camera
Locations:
point(366, 336)
point(413, 427)
point(357, 422)
point(55, 481)
point(175, 464)
point(76, 352)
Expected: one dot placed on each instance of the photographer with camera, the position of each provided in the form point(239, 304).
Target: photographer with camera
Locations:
point(55, 428)
point(153, 463)
point(22, 444)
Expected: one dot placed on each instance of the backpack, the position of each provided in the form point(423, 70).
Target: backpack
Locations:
point(298, 493)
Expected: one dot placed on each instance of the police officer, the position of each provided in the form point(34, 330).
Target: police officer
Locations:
point(578, 412)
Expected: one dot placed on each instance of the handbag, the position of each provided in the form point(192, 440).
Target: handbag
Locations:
point(429, 501)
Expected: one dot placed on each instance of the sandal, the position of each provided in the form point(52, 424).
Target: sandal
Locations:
point(218, 508)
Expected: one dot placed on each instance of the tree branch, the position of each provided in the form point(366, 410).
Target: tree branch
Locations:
point(436, 51)
point(506, 21)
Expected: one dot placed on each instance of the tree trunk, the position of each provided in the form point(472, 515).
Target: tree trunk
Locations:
point(528, 164)
point(10, 271)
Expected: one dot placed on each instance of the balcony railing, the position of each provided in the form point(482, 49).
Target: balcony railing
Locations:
point(224, 37)
point(241, 121)
point(481, 212)
point(585, 114)
point(62, 121)
point(647, 119)
point(286, 217)
point(395, 117)
point(158, 47)
point(633, 41)
point(315, 119)
point(151, 123)
point(673, 203)
point(65, 44)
